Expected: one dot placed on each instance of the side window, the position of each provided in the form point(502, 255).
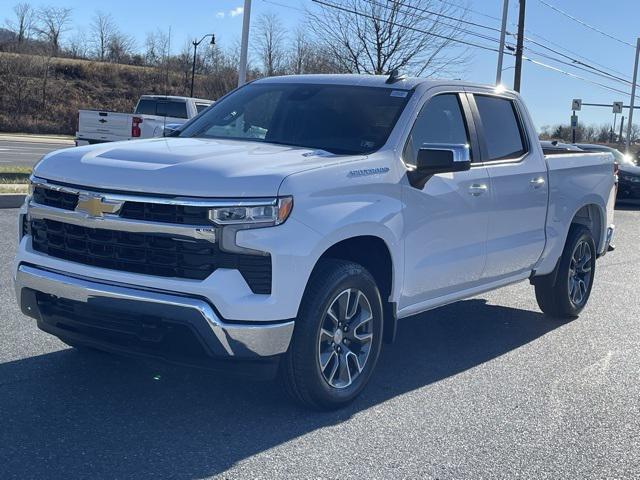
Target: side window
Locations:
point(440, 121)
point(201, 106)
point(146, 107)
point(501, 127)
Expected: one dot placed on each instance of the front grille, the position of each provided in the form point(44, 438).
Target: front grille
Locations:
point(54, 198)
point(164, 213)
point(152, 212)
point(146, 253)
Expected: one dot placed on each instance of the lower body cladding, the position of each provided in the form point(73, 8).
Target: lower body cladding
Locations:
point(125, 319)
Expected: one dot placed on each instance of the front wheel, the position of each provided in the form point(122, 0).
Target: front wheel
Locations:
point(567, 294)
point(337, 337)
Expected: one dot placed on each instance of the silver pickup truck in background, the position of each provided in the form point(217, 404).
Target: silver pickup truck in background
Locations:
point(148, 120)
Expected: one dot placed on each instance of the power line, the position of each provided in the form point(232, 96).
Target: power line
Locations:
point(484, 47)
point(572, 52)
point(454, 27)
point(584, 24)
point(576, 63)
point(573, 75)
point(355, 12)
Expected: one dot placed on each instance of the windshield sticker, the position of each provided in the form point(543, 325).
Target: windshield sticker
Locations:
point(399, 93)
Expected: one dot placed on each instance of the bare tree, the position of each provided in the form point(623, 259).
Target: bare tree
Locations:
point(379, 36)
point(120, 47)
point(52, 23)
point(156, 47)
point(23, 22)
point(78, 45)
point(102, 29)
point(270, 37)
point(307, 56)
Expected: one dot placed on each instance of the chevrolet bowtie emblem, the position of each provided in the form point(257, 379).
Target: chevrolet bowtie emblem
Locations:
point(96, 205)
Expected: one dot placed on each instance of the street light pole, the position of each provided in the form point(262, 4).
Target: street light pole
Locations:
point(503, 33)
point(195, 49)
point(633, 96)
point(244, 45)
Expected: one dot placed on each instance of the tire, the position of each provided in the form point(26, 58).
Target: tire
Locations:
point(351, 354)
point(564, 295)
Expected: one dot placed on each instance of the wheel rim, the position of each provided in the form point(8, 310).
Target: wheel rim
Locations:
point(580, 270)
point(345, 340)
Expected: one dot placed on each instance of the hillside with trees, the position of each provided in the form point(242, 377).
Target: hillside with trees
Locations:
point(50, 67)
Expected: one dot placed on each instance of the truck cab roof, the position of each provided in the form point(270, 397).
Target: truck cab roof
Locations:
point(402, 83)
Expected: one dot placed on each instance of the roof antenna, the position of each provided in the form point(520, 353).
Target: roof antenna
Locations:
point(395, 76)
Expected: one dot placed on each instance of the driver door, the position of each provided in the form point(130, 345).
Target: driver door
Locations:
point(445, 221)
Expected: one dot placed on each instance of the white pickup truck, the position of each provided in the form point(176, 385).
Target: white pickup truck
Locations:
point(148, 120)
point(291, 227)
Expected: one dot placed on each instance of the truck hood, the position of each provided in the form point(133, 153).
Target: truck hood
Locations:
point(183, 166)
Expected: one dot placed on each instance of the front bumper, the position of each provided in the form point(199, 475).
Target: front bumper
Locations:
point(628, 190)
point(127, 319)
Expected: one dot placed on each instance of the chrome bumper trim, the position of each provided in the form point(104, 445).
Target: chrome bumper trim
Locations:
point(114, 222)
point(237, 340)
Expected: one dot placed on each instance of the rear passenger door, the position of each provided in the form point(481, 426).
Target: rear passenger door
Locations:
point(518, 182)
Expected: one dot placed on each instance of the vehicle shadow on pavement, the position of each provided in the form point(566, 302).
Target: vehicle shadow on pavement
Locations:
point(73, 414)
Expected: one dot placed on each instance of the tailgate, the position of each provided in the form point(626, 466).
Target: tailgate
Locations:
point(105, 126)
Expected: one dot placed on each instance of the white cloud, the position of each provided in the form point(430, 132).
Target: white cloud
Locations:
point(236, 11)
point(220, 14)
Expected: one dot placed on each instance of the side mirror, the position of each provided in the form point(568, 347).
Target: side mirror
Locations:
point(436, 158)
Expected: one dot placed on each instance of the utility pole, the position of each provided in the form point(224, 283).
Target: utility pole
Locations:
point(503, 33)
point(244, 46)
point(195, 49)
point(633, 96)
point(621, 130)
point(519, 46)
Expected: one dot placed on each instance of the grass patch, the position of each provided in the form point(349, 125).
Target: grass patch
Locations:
point(11, 174)
point(14, 169)
point(14, 188)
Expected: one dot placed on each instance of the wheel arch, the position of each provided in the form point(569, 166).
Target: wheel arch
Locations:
point(374, 254)
point(591, 216)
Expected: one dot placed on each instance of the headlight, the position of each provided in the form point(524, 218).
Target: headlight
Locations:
point(271, 213)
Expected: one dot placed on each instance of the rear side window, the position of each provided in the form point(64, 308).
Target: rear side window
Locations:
point(440, 121)
point(146, 107)
point(501, 127)
point(201, 106)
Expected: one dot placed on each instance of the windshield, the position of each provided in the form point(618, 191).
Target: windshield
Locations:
point(344, 120)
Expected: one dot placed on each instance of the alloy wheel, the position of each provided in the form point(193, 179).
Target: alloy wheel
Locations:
point(345, 338)
point(580, 269)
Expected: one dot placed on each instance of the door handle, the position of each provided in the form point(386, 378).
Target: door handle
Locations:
point(537, 182)
point(478, 189)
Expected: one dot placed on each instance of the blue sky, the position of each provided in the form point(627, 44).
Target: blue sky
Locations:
point(548, 93)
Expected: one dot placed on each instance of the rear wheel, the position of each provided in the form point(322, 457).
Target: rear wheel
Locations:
point(337, 338)
point(567, 294)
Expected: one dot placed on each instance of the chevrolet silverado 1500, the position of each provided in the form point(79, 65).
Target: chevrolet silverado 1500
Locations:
point(290, 227)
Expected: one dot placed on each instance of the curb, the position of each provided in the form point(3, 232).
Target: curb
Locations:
point(11, 200)
point(16, 137)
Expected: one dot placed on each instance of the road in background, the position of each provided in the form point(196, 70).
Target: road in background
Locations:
point(483, 388)
point(26, 151)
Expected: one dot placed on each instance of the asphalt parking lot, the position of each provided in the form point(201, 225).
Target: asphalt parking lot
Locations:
point(26, 151)
point(484, 388)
